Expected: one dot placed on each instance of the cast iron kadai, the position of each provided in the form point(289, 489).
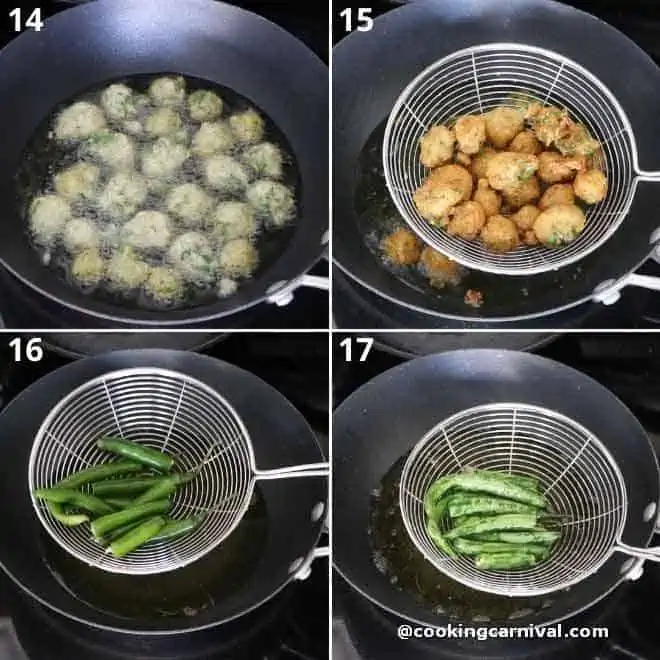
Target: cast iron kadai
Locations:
point(279, 436)
point(105, 40)
point(167, 411)
point(367, 83)
point(579, 478)
point(368, 440)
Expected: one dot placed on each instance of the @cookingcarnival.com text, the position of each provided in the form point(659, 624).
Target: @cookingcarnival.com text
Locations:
point(482, 633)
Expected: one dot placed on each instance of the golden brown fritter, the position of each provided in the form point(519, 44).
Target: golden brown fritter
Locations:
point(503, 124)
point(525, 217)
point(548, 123)
point(490, 201)
point(559, 193)
point(529, 238)
point(576, 141)
point(591, 186)
point(526, 143)
point(435, 202)
point(525, 192)
point(555, 168)
point(559, 225)
point(453, 176)
point(500, 234)
point(470, 133)
point(438, 268)
point(463, 159)
point(436, 146)
point(467, 220)
point(402, 247)
point(473, 298)
point(507, 169)
point(480, 163)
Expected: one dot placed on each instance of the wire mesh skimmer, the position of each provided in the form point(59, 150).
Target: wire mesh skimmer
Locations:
point(475, 80)
point(577, 473)
point(168, 411)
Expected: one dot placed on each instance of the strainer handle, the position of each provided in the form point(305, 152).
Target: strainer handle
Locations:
point(643, 175)
point(295, 471)
point(650, 554)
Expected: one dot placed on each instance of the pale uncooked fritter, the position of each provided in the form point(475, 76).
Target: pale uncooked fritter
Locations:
point(264, 160)
point(163, 121)
point(190, 203)
point(126, 271)
point(78, 181)
point(88, 267)
point(48, 215)
point(80, 234)
point(213, 138)
point(163, 158)
point(168, 91)
point(272, 201)
point(204, 105)
point(113, 148)
point(238, 258)
point(232, 220)
point(79, 121)
point(123, 195)
point(133, 127)
point(148, 230)
point(164, 285)
point(248, 126)
point(192, 255)
point(225, 174)
point(119, 102)
point(226, 287)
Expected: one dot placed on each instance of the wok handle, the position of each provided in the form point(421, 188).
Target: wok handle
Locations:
point(611, 292)
point(283, 295)
point(305, 569)
point(295, 471)
point(649, 554)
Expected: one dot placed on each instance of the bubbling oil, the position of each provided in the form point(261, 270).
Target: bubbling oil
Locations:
point(181, 287)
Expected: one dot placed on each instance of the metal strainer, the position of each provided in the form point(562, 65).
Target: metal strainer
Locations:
point(577, 473)
point(168, 411)
point(479, 78)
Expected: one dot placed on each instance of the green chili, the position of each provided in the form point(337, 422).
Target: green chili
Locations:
point(98, 472)
point(74, 498)
point(102, 526)
point(136, 452)
point(137, 537)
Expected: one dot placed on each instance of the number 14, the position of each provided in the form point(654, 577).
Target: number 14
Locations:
point(33, 20)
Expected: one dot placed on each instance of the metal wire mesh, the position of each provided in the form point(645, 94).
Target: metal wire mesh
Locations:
point(167, 411)
point(578, 475)
point(477, 79)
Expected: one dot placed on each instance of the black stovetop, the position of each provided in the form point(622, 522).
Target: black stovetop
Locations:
point(627, 364)
point(309, 308)
point(293, 626)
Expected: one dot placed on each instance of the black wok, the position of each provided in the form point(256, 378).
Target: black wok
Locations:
point(225, 45)
point(280, 437)
point(384, 419)
point(367, 80)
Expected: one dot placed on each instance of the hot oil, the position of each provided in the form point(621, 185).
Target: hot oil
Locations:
point(396, 556)
point(187, 591)
point(377, 217)
point(45, 156)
